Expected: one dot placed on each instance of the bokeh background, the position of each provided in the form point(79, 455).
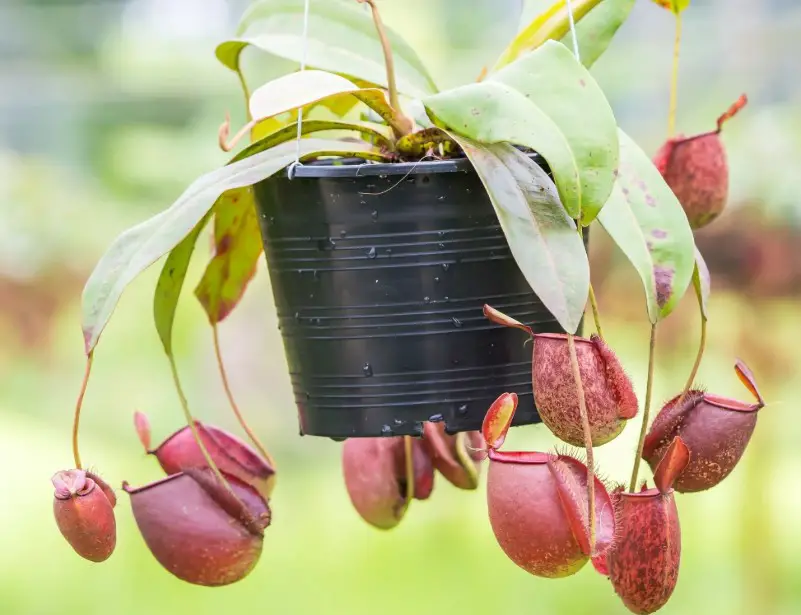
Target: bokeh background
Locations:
point(109, 108)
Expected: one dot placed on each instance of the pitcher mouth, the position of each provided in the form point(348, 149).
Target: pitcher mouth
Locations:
point(562, 336)
point(520, 457)
point(730, 404)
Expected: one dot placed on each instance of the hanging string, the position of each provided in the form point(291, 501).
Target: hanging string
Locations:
point(573, 30)
point(297, 162)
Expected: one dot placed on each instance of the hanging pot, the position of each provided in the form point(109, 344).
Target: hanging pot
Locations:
point(379, 273)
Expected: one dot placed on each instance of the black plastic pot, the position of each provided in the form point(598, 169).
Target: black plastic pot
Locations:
point(379, 274)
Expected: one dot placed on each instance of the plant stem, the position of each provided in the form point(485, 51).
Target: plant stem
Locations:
point(407, 453)
point(404, 124)
point(593, 301)
point(239, 417)
point(646, 410)
point(77, 416)
point(585, 423)
point(595, 315)
point(674, 79)
point(697, 365)
point(190, 421)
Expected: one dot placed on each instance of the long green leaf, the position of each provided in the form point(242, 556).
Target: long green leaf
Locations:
point(492, 112)
point(341, 39)
point(238, 246)
point(548, 102)
point(648, 224)
point(598, 28)
point(171, 281)
point(570, 96)
point(141, 246)
point(371, 131)
point(308, 87)
point(551, 24)
point(541, 237)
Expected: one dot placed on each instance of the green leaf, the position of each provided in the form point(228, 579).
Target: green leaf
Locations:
point(308, 87)
point(570, 96)
point(237, 247)
point(341, 39)
point(551, 24)
point(541, 237)
point(598, 28)
point(141, 246)
point(648, 224)
point(491, 112)
point(702, 284)
point(171, 281)
point(370, 131)
point(549, 102)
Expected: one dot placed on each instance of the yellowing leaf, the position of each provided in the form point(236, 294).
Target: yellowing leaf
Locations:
point(237, 246)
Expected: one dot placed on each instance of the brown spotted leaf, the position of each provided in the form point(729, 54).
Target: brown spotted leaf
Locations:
point(238, 247)
point(647, 222)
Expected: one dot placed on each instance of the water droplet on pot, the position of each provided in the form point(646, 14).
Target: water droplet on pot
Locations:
point(367, 369)
point(389, 250)
point(441, 246)
point(462, 410)
point(436, 280)
point(271, 221)
point(426, 299)
point(441, 234)
point(311, 295)
point(297, 316)
point(376, 281)
point(445, 266)
point(436, 418)
point(455, 361)
point(316, 274)
point(316, 321)
point(411, 180)
point(371, 253)
point(398, 422)
point(338, 438)
point(374, 215)
point(308, 395)
point(440, 198)
point(386, 430)
point(456, 322)
point(446, 298)
point(362, 202)
point(382, 176)
point(343, 233)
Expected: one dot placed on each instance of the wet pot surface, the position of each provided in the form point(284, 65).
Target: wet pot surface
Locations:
point(379, 275)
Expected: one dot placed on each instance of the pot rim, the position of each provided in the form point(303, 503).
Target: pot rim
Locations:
point(330, 168)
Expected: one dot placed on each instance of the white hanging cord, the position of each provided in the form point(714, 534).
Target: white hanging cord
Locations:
point(297, 162)
point(573, 30)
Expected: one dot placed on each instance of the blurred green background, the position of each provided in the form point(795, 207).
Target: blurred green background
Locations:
point(109, 108)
